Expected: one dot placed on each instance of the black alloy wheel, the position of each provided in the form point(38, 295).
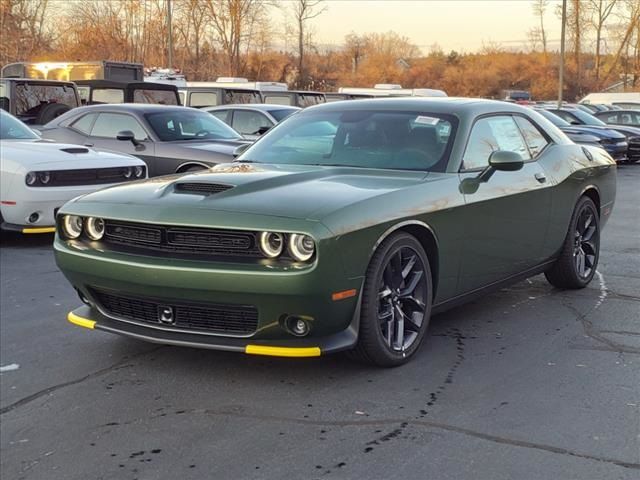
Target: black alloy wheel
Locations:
point(585, 248)
point(396, 302)
point(578, 259)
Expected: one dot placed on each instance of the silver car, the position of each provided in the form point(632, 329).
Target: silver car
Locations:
point(168, 139)
point(252, 120)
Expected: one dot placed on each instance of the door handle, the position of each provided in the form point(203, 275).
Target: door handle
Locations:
point(540, 177)
point(88, 144)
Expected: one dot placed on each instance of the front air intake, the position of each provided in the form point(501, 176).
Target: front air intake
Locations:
point(202, 188)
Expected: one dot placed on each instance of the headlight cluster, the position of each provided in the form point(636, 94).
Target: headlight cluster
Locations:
point(133, 172)
point(37, 178)
point(301, 247)
point(73, 226)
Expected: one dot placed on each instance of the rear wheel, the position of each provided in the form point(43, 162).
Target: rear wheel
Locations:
point(396, 302)
point(578, 259)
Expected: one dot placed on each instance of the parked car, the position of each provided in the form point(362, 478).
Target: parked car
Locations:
point(619, 117)
point(576, 133)
point(296, 98)
point(345, 227)
point(36, 102)
point(613, 142)
point(169, 139)
point(38, 177)
point(251, 120)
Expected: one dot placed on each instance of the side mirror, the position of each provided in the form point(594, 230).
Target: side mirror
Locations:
point(126, 136)
point(503, 161)
point(263, 130)
point(506, 161)
point(240, 149)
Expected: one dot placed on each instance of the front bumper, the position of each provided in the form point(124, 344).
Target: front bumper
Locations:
point(275, 294)
point(91, 318)
point(618, 151)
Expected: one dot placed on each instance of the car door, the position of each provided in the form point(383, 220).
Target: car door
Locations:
point(104, 136)
point(249, 122)
point(507, 217)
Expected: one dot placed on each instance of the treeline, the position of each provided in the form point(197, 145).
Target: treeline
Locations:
point(214, 38)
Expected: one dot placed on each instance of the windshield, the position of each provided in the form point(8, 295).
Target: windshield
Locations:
point(587, 118)
point(189, 124)
point(359, 138)
point(556, 120)
point(13, 129)
point(280, 115)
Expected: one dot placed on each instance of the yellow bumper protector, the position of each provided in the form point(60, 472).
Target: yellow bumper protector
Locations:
point(82, 322)
point(39, 230)
point(282, 351)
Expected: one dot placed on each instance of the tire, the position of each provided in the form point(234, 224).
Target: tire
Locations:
point(578, 260)
point(50, 111)
point(389, 291)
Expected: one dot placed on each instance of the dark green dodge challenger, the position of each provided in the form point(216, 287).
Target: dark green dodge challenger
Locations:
point(344, 228)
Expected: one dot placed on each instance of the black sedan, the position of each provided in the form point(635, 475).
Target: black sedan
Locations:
point(615, 140)
point(577, 134)
point(169, 139)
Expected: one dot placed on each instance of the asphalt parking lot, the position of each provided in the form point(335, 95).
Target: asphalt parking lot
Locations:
point(527, 383)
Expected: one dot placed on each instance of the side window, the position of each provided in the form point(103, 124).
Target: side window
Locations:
point(203, 99)
point(278, 99)
point(109, 124)
point(489, 135)
point(84, 123)
point(532, 136)
point(611, 118)
point(107, 95)
point(247, 122)
point(221, 115)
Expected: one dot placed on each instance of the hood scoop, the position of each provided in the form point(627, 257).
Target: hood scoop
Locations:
point(202, 188)
point(75, 150)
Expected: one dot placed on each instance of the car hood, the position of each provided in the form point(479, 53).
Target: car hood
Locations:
point(598, 131)
point(626, 130)
point(292, 191)
point(218, 146)
point(31, 153)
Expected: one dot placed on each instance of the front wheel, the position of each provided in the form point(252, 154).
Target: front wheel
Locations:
point(576, 265)
point(396, 302)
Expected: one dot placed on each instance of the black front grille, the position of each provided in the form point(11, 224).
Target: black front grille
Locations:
point(202, 188)
point(211, 318)
point(184, 241)
point(87, 176)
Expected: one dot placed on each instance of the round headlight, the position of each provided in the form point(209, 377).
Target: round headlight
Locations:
point(94, 228)
point(44, 177)
point(301, 247)
point(271, 244)
point(31, 178)
point(138, 171)
point(72, 226)
point(128, 171)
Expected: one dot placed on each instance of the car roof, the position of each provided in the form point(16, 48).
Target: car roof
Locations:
point(263, 107)
point(447, 105)
point(126, 84)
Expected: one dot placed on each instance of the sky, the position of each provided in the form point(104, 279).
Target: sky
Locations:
point(461, 25)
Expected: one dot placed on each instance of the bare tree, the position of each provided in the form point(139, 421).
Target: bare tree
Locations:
point(630, 21)
point(539, 33)
point(600, 11)
point(303, 11)
point(232, 21)
point(355, 46)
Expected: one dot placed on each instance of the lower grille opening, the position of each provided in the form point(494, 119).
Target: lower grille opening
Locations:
point(210, 318)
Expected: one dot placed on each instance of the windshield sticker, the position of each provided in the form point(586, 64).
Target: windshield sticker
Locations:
point(427, 120)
